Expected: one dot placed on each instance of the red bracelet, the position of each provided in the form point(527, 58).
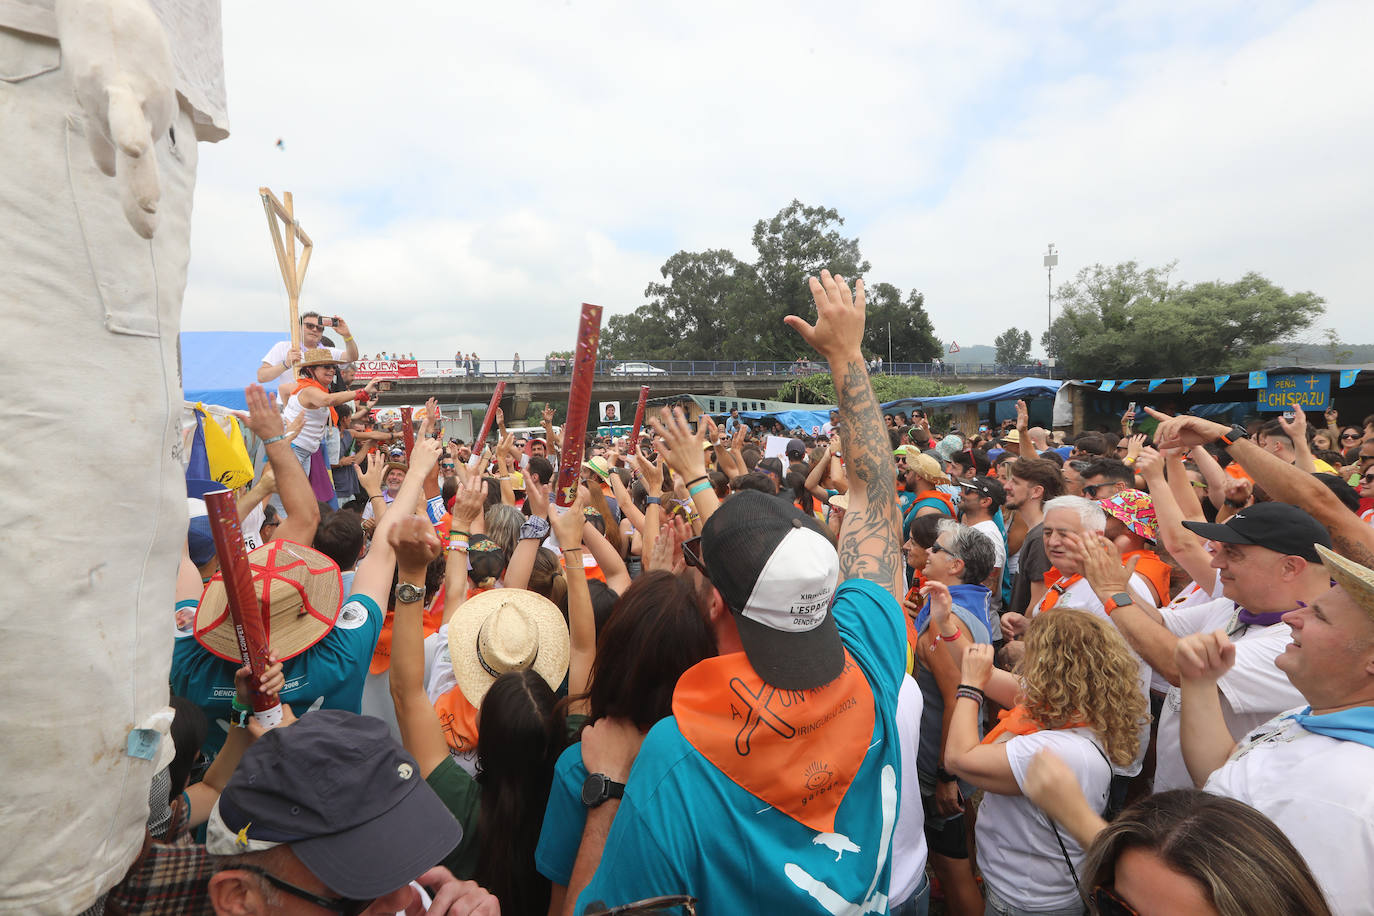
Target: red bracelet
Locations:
point(940, 637)
point(362, 397)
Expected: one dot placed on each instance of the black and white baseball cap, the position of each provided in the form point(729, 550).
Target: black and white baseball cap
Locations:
point(777, 572)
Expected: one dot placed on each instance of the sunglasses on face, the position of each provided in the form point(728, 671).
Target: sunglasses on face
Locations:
point(1350, 435)
point(937, 547)
point(1367, 478)
point(343, 906)
point(310, 326)
point(1090, 490)
point(1107, 903)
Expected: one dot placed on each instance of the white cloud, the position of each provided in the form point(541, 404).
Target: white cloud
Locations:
point(471, 173)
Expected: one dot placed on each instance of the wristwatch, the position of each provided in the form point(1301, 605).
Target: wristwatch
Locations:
point(1234, 434)
point(944, 775)
point(1120, 599)
point(598, 788)
point(534, 528)
point(409, 594)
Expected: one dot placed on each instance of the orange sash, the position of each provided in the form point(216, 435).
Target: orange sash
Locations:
point(1155, 570)
point(1016, 721)
point(304, 382)
point(1058, 586)
point(381, 656)
point(458, 719)
point(769, 742)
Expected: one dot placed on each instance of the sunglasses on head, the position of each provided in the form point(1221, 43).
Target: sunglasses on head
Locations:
point(1106, 902)
point(343, 906)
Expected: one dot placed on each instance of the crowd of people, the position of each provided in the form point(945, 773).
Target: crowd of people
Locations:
point(990, 670)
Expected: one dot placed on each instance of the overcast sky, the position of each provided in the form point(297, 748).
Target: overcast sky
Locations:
point(471, 172)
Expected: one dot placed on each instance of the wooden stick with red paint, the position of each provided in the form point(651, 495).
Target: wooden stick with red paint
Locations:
point(579, 402)
point(408, 429)
point(223, 514)
point(639, 419)
point(480, 442)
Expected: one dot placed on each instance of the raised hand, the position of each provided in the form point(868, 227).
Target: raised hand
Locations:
point(568, 524)
point(941, 604)
point(682, 447)
point(1204, 656)
point(414, 541)
point(838, 332)
point(976, 666)
point(1185, 431)
point(468, 502)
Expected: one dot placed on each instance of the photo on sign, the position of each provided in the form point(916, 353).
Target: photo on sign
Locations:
point(609, 412)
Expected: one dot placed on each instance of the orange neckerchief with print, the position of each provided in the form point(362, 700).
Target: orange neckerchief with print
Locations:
point(1016, 721)
point(797, 750)
point(381, 656)
point(1058, 584)
point(458, 719)
point(1155, 570)
point(942, 497)
point(304, 382)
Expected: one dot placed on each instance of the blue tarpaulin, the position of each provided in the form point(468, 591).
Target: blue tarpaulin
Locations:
point(1012, 391)
point(792, 419)
point(217, 365)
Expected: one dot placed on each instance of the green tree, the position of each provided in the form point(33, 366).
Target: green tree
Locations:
point(1013, 347)
point(1335, 349)
point(712, 305)
point(913, 336)
point(1123, 321)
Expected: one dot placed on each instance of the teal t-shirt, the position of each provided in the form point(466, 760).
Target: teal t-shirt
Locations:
point(328, 675)
point(683, 827)
point(564, 818)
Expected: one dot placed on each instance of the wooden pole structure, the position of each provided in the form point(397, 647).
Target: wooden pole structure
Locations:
point(292, 270)
point(408, 429)
point(639, 419)
point(496, 396)
point(579, 402)
point(222, 512)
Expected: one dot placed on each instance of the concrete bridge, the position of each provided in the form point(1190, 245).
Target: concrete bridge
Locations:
point(620, 380)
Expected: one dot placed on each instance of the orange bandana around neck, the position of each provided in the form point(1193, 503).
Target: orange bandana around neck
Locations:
point(768, 741)
point(458, 719)
point(1017, 721)
point(1057, 588)
point(304, 382)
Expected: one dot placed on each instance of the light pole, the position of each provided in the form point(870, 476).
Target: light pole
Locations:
point(1051, 260)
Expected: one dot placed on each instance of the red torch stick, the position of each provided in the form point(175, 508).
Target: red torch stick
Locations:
point(639, 419)
point(490, 418)
point(579, 400)
point(222, 511)
point(408, 429)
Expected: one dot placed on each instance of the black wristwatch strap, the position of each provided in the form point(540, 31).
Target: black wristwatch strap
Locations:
point(1235, 434)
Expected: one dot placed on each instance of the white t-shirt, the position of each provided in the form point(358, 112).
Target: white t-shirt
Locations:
point(999, 548)
point(1081, 596)
point(277, 355)
point(1190, 596)
point(1317, 790)
point(909, 851)
point(1017, 851)
point(312, 431)
point(1253, 691)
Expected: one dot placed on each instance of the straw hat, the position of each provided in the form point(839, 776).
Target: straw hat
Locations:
point(840, 501)
point(504, 630)
point(1012, 435)
point(319, 356)
point(299, 591)
point(598, 466)
point(1355, 580)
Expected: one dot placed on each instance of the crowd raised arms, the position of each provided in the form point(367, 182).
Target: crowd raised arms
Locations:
point(821, 662)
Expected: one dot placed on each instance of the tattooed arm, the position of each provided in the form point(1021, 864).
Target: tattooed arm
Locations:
point(870, 539)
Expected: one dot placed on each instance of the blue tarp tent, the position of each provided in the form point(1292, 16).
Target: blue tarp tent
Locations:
point(1012, 391)
point(217, 365)
point(792, 419)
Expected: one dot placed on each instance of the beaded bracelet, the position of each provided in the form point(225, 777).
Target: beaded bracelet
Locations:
point(274, 439)
point(456, 544)
point(969, 693)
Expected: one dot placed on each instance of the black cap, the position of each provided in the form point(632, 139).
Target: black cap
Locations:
point(1280, 527)
point(795, 447)
point(777, 572)
point(347, 798)
point(986, 486)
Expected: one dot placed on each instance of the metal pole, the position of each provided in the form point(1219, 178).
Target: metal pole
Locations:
point(889, 342)
point(1051, 259)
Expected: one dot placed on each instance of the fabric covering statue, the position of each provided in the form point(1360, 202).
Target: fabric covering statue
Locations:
point(102, 103)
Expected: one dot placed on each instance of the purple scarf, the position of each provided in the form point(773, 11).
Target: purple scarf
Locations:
point(1251, 619)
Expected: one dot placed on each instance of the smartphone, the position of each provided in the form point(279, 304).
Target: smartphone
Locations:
point(1289, 414)
point(326, 322)
point(1130, 408)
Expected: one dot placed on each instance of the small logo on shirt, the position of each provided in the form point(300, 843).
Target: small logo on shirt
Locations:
point(818, 776)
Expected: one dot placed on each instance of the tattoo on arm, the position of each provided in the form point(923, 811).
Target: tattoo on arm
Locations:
point(870, 540)
point(1352, 549)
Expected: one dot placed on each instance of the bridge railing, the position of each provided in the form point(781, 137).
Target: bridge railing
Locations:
point(647, 369)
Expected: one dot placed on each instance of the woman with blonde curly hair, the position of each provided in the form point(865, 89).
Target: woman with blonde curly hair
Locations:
point(1078, 695)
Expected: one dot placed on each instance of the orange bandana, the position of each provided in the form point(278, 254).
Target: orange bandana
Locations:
point(721, 703)
point(458, 719)
point(381, 656)
point(303, 382)
point(1016, 721)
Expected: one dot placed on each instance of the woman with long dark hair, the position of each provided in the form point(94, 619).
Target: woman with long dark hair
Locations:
point(655, 632)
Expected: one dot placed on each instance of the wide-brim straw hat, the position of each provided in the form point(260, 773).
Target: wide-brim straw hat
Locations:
point(1355, 580)
point(299, 591)
point(504, 630)
point(319, 356)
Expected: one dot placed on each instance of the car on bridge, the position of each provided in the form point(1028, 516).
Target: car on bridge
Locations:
point(637, 369)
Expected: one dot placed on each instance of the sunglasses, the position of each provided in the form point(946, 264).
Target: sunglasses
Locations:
point(1367, 478)
point(1107, 903)
point(691, 552)
point(937, 547)
point(1350, 435)
point(1090, 490)
point(311, 326)
point(447, 467)
point(343, 906)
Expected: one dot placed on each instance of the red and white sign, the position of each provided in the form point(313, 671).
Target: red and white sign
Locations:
point(954, 346)
point(386, 368)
